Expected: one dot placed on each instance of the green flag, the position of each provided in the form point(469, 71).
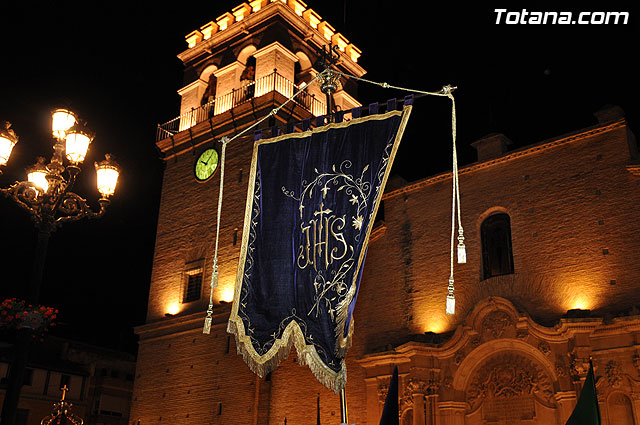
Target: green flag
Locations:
point(587, 411)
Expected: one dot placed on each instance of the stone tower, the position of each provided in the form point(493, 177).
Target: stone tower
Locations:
point(238, 67)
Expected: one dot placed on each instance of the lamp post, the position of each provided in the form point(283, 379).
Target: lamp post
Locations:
point(47, 196)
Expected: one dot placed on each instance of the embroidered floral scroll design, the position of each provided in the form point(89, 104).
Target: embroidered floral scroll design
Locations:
point(249, 262)
point(356, 188)
point(337, 284)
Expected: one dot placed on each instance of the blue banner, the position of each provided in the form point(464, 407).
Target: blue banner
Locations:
point(311, 204)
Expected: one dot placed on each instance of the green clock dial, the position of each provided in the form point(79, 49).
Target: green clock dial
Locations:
point(206, 164)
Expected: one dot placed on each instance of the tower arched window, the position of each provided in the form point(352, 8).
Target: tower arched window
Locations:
point(497, 256)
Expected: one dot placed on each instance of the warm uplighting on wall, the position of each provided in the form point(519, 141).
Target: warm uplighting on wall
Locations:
point(436, 326)
point(581, 289)
point(173, 308)
point(226, 292)
point(581, 302)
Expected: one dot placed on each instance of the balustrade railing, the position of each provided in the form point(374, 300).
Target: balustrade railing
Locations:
point(260, 87)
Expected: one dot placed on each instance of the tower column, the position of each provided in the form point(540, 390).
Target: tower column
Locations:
point(275, 57)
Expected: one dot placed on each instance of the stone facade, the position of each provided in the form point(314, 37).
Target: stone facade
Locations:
point(518, 347)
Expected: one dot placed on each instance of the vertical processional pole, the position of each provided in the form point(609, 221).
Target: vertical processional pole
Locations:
point(343, 407)
point(329, 55)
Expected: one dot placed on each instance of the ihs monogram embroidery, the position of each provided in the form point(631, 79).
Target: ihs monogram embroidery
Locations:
point(322, 235)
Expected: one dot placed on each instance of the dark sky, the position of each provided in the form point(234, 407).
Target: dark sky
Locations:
point(115, 64)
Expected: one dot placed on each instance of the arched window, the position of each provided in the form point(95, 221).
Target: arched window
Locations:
point(497, 257)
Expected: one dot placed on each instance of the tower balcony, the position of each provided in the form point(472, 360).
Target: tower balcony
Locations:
point(267, 85)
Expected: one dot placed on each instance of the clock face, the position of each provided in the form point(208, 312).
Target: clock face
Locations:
point(206, 164)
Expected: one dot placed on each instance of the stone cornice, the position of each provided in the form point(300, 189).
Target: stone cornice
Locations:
point(272, 9)
point(530, 150)
point(182, 324)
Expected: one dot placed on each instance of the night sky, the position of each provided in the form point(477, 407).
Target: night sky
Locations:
point(115, 64)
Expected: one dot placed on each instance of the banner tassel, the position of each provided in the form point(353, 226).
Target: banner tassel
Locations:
point(455, 206)
point(462, 250)
point(451, 300)
point(446, 91)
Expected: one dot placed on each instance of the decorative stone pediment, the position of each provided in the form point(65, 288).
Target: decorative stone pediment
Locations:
point(495, 324)
point(509, 377)
point(494, 318)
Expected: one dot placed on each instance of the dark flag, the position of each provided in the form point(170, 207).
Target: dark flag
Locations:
point(311, 204)
point(390, 412)
point(587, 411)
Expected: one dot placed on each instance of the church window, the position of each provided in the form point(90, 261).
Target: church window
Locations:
point(192, 284)
point(497, 256)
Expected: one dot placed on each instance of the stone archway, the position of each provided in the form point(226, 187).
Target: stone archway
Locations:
point(507, 345)
point(506, 381)
point(507, 387)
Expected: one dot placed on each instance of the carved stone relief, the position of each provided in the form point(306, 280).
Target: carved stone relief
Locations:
point(613, 373)
point(382, 393)
point(495, 324)
point(578, 367)
point(406, 401)
point(544, 348)
point(383, 388)
point(509, 377)
point(447, 382)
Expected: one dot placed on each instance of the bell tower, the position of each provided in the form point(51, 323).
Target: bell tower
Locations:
point(238, 68)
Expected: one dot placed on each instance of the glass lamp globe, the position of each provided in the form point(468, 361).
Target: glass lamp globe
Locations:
point(37, 174)
point(62, 120)
point(8, 140)
point(107, 176)
point(77, 142)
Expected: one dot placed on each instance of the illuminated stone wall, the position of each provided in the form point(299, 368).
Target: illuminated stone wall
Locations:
point(572, 202)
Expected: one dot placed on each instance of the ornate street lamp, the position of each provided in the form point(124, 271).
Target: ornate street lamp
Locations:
point(47, 196)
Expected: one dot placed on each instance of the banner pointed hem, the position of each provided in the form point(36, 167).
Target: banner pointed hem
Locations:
point(261, 365)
